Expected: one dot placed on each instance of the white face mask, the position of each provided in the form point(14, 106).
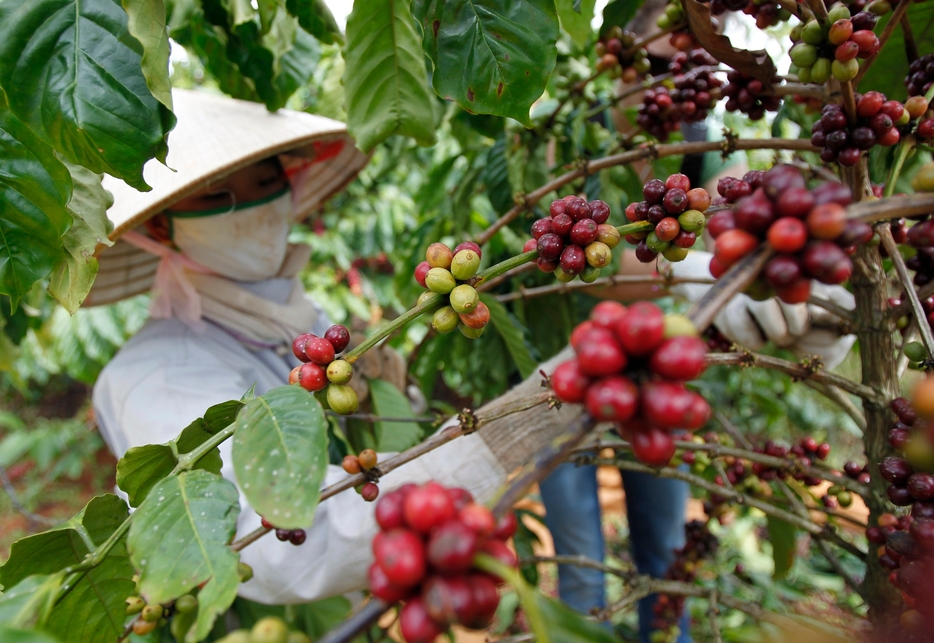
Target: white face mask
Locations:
point(246, 244)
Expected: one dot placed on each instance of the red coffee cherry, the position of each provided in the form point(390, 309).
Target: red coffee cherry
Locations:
point(319, 351)
point(451, 547)
point(401, 555)
point(389, 512)
point(506, 526)
point(339, 336)
point(415, 623)
point(653, 447)
point(680, 358)
point(382, 588)
point(427, 507)
point(641, 329)
point(298, 346)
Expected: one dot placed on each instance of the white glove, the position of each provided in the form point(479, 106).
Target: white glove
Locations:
point(753, 324)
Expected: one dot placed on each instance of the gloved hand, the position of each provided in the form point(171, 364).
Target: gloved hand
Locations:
point(753, 324)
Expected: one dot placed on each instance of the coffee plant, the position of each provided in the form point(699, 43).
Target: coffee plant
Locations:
point(490, 123)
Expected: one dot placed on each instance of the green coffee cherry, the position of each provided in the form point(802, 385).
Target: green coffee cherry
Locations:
point(589, 274)
point(915, 351)
point(844, 71)
point(134, 605)
point(675, 254)
point(298, 637)
point(879, 7)
point(445, 320)
point(425, 296)
point(655, 244)
point(342, 399)
point(821, 71)
point(464, 298)
point(679, 326)
point(598, 254)
point(804, 75)
point(845, 498)
point(470, 333)
point(812, 34)
point(152, 613)
point(692, 221)
point(186, 603)
point(803, 55)
point(237, 636)
point(339, 372)
point(562, 276)
point(465, 264)
point(838, 12)
point(270, 629)
point(440, 281)
point(608, 235)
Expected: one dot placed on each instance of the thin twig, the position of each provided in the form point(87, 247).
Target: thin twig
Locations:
point(885, 234)
point(369, 417)
point(348, 630)
point(895, 207)
point(798, 371)
point(610, 280)
point(35, 520)
point(911, 47)
point(577, 561)
point(515, 272)
point(712, 613)
point(842, 400)
point(829, 306)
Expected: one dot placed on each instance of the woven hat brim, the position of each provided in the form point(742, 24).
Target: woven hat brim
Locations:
point(216, 136)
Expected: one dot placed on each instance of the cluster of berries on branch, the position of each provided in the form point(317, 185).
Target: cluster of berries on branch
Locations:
point(808, 229)
point(294, 536)
point(321, 370)
point(575, 240)
point(615, 52)
point(833, 48)
point(425, 549)
point(630, 368)
point(700, 545)
point(920, 75)
point(767, 13)
point(695, 90)
point(744, 94)
point(676, 211)
point(877, 124)
point(448, 272)
point(363, 462)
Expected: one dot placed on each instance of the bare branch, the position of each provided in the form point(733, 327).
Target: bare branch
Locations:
point(885, 233)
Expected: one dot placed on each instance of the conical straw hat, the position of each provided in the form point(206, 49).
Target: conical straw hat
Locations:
point(216, 136)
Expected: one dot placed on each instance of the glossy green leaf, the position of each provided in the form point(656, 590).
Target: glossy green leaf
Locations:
point(576, 16)
point(887, 74)
point(315, 17)
point(34, 188)
point(783, 537)
point(141, 468)
point(94, 609)
point(618, 13)
point(388, 401)
point(280, 455)
point(14, 635)
point(178, 540)
point(71, 280)
point(385, 80)
point(490, 56)
point(29, 602)
point(496, 177)
point(72, 72)
point(509, 329)
point(147, 25)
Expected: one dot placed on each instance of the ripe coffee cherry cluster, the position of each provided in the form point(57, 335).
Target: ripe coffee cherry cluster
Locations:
point(366, 460)
point(910, 474)
point(767, 13)
point(616, 50)
point(448, 272)
point(744, 94)
point(321, 370)
point(876, 125)
point(807, 228)
point(429, 536)
point(575, 240)
point(677, 212)
point(834, 47)
point(294, 536)
point(857, 471)
point(630, 369)
point(920, 75)
point(700, 545)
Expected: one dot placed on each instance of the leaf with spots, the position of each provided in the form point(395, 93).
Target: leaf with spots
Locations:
point(490, 56)
point(280, 455)
point(179, 541)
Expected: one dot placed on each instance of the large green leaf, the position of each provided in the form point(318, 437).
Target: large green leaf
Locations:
point(386, 82)
point(389, 402)
point(72, 72)
point(315, 18)
point(576, 17)
point(71, 280)
point(29, 602)
point(14, 635)
point(490, 56)
point(147, 24)
point(178, 541)
point(94, 609)
point(782, 535)
point(280, 455)
point(887, 74)
point(509, 329)
point(496, 177)
point(34, 188)
point(141, 468)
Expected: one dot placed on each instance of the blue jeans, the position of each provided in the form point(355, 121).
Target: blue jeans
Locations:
point(655, 509)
